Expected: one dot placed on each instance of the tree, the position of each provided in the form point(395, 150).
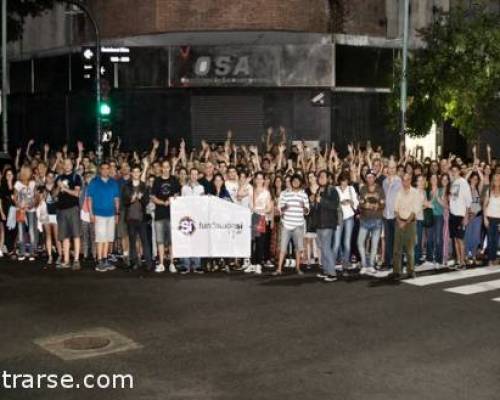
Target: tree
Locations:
point(18, 10)
point(455, 77)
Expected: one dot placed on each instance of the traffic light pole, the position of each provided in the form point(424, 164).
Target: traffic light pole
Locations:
point(5, 81)
point(87, 12)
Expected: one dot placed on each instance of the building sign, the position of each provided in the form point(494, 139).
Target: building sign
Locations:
point(200, 66)
point(267, 65)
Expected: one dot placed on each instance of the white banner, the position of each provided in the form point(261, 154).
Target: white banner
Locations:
point(207, 226)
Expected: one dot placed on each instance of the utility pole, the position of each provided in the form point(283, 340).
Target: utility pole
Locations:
point(404, 74)
point(89, 15)
point(5, 81)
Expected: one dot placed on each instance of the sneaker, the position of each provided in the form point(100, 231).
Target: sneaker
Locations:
point(113, 258)
point(288, 263)
point(246, 263)
point(76, 265)
point(371, 270)
point(276, 273)
point(249, 269)
point(31, 258)
point(268, 264)
point(199, 271)
point(64, 266)
point(330, 278)
point(363, 271)
point(300, 272)
point(109, 266)
point(321, 276)
point(258, 269)
point(226, 269)
point(184, 271)
point(101, 267)
point(50, 261)
point(160, 268)
point(293, 263)
point(21, 258)
point(58, 260)
point(172, 269)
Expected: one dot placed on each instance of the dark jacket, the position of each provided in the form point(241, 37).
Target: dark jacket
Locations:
point(327, 209)
point(128, 192)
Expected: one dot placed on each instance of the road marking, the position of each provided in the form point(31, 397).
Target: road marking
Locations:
point(497, 299)
point(475, 288)
point(453, 276)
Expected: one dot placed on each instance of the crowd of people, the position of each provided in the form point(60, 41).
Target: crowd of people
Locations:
point(363, 211)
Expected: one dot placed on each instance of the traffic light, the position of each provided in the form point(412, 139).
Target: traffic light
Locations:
point(105, 109)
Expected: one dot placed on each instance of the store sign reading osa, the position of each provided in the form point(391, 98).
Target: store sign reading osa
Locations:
point(223, 66)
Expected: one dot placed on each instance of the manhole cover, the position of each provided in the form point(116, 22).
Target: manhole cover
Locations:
point(83, 343)
point(87, 343)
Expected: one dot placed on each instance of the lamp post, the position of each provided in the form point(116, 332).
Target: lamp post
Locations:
point(89, 15)
point(404, 74)
point(5, 82)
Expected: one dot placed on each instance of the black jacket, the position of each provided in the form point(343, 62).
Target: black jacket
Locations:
point(326, 211)
point(128, 192)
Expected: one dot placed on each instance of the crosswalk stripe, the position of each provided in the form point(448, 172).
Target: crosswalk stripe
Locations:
point(475, 288)
point(453, 276)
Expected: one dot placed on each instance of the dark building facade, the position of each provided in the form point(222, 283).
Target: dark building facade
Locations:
point(198, 68)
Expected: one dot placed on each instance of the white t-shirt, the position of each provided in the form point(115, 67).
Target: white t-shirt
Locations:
point(260, 201)
point(232, 188)
point(348, 194)
point(460, 197)
point(26, 194)
point(246, 201)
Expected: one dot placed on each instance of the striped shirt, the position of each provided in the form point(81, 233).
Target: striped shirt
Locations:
point(296, 204)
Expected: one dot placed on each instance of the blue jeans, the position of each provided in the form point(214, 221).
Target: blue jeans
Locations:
point(389, 231)
point(473, 236)
point(346, 228)
point(31, 224)
point(493, 238)
point(191, 263)
point(371, 226)
point(418, 245)
point(325, 238)
point(435, 240)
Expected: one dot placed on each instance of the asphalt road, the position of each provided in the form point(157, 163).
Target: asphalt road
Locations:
point(246, 337)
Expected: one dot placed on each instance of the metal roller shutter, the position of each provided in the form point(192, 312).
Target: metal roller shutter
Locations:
point(213, 116)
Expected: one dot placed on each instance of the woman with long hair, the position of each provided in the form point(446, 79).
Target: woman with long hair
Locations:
point(26, 199)
point(349, 204)
point(445, 184)
point(220, 187)
point(261, 206)
point(50, 222)
point(436, 197)
point(474, 227)
point(492, 217)
point(310, 235)
point(276, 189)
point(420, 184)
point(7, 201)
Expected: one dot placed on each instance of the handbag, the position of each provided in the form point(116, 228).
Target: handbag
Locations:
point(20, 215)
point(261, 224)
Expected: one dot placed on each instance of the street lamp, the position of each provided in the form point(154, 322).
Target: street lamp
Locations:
point(404, 72)
point(87, 12)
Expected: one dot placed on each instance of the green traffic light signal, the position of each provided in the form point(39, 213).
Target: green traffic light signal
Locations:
point(105, 109)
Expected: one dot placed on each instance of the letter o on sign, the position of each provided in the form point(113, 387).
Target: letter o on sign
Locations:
point(202, 67)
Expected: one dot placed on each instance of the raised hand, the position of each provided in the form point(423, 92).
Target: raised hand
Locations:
point(80, 146)
point(156, 143)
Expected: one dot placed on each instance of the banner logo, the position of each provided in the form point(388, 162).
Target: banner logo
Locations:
point(187, 226)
